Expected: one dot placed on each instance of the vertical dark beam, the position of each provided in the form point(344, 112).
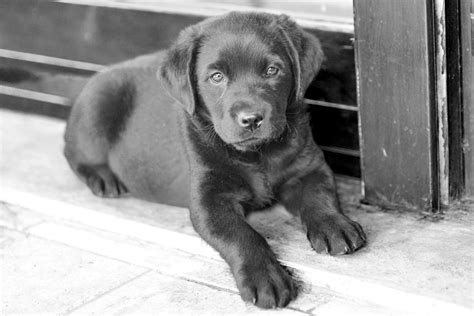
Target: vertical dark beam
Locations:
point(467, 56)
point(455, 97)
point(395, 71)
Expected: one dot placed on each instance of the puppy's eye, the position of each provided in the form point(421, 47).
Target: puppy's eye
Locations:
point(217, 77)
point(271, 71)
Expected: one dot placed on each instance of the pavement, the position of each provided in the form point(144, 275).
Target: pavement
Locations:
point(65, 251)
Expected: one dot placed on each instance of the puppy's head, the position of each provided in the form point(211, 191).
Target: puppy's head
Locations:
point(243, 72)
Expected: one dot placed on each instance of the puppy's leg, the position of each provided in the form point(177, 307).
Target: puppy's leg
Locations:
point(93, 128)
point(314, 198)
point(217, 215)
point(89, 162)
point(101, 180)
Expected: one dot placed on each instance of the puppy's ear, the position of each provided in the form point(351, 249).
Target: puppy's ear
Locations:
point(305, 53)
point(177, 71)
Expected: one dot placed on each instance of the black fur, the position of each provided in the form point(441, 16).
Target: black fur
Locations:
point(181, 142)
point(115, 109)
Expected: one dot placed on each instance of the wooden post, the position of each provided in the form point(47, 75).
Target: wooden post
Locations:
point(396, 70)
point(467, 65)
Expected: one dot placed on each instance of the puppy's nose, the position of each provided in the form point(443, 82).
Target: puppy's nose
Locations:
point(250, 121)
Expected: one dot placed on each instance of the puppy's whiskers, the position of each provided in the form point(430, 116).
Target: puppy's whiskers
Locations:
point(210, 133)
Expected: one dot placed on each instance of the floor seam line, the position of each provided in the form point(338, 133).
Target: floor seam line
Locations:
point(99, 296)
point(180, 277)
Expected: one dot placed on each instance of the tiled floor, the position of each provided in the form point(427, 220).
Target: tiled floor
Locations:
point(44, 276)
point(65, 251)
point(59, 267)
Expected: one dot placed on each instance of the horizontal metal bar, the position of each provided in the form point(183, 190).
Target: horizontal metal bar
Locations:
point(33, 95)
point(310, 21)
point(332, 105)
point(52, 62)
point(342, 151)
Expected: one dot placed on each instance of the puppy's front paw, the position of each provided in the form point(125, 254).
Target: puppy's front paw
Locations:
point(335, 235)
point(266, 284)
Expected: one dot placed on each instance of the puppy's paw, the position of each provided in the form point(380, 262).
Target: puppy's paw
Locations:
point(267, 284)
point(102, 181)
point(336, 235)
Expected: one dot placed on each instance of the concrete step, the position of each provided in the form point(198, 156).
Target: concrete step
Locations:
point(411, 265)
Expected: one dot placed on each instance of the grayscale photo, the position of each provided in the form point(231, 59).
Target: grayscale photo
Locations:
point(234, 157)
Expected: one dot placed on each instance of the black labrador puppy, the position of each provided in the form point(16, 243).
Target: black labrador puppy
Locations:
point(223, 131)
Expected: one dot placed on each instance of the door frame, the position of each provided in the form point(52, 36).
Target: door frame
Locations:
point(413, 61)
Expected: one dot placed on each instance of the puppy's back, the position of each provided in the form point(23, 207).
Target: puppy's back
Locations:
point(125, 119)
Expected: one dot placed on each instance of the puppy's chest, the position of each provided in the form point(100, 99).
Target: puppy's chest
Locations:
point(262, 180)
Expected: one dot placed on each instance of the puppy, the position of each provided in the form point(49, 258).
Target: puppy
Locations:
point(217, 123)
